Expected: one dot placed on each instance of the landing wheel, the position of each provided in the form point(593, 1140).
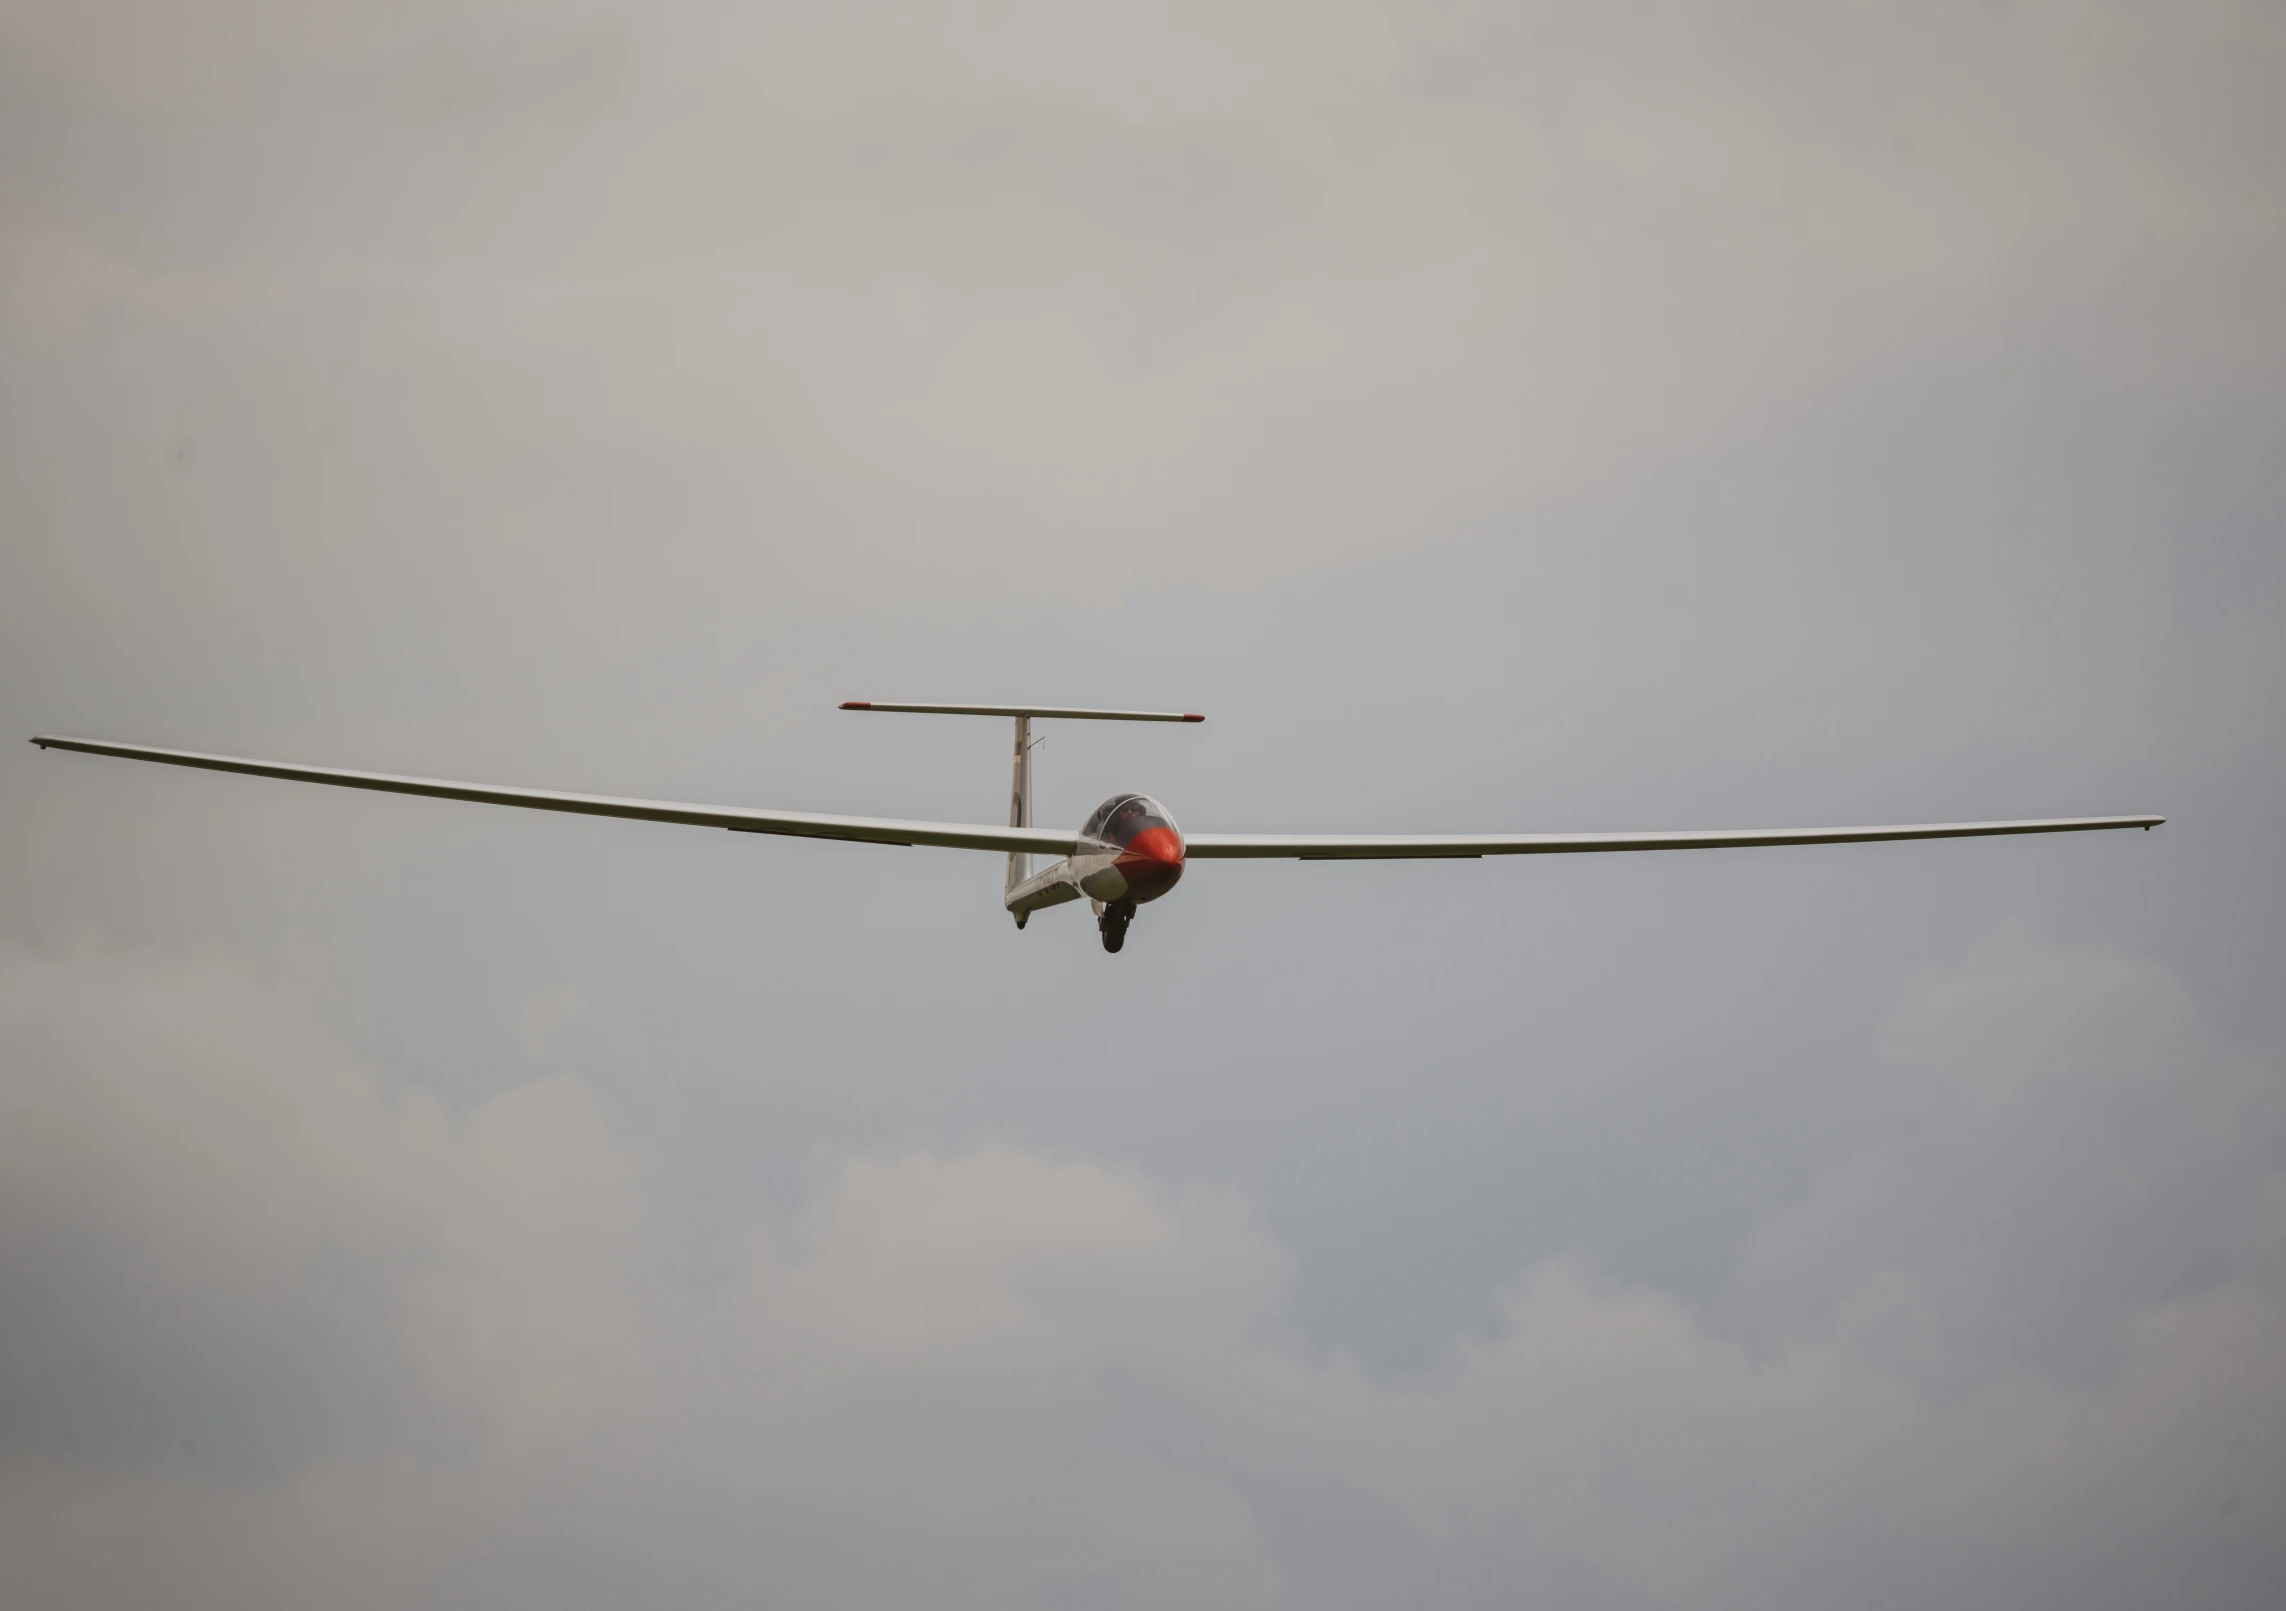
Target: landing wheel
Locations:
point(1116, 916)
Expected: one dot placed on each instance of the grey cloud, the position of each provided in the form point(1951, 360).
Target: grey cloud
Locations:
point(992, 1376)
point(1522, 416)
point(2084, 1154)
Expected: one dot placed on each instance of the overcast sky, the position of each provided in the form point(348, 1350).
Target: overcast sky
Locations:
point(1493, 416)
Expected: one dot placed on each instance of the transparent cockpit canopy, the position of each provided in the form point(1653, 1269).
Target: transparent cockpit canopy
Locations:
point(1117, 821)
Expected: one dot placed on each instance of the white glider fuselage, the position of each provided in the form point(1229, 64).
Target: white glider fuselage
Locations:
point(1129, 851)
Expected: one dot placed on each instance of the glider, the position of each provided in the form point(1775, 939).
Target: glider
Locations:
point(1127, 853)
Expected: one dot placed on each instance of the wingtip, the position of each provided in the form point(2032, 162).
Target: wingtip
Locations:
point(857, 704)
point(1193, 716)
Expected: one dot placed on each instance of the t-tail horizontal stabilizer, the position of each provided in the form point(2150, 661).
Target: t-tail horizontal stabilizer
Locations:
point(1062, 712)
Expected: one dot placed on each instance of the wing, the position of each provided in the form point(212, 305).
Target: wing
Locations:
point(1371, 847)
point(739, 819)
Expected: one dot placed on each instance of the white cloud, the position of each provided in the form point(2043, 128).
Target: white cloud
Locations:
point(999, 299)
point(995, 1377)
point(1265, 290)
point(183, 55)
point(547, 1012)
point(58, 278)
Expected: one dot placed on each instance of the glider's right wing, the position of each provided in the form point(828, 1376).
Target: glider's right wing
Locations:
point(1371, 847)
point(739, 819)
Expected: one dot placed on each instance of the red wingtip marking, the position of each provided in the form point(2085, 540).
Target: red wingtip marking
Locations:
point(1194, 718)
point(857, 704)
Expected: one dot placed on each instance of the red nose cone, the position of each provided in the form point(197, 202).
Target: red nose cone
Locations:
point(1151, 863)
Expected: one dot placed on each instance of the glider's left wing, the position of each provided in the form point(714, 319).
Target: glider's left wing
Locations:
point(1372, 847)
point(740, 819)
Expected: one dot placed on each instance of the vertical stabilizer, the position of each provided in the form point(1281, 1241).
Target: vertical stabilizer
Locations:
point(1020, 802)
